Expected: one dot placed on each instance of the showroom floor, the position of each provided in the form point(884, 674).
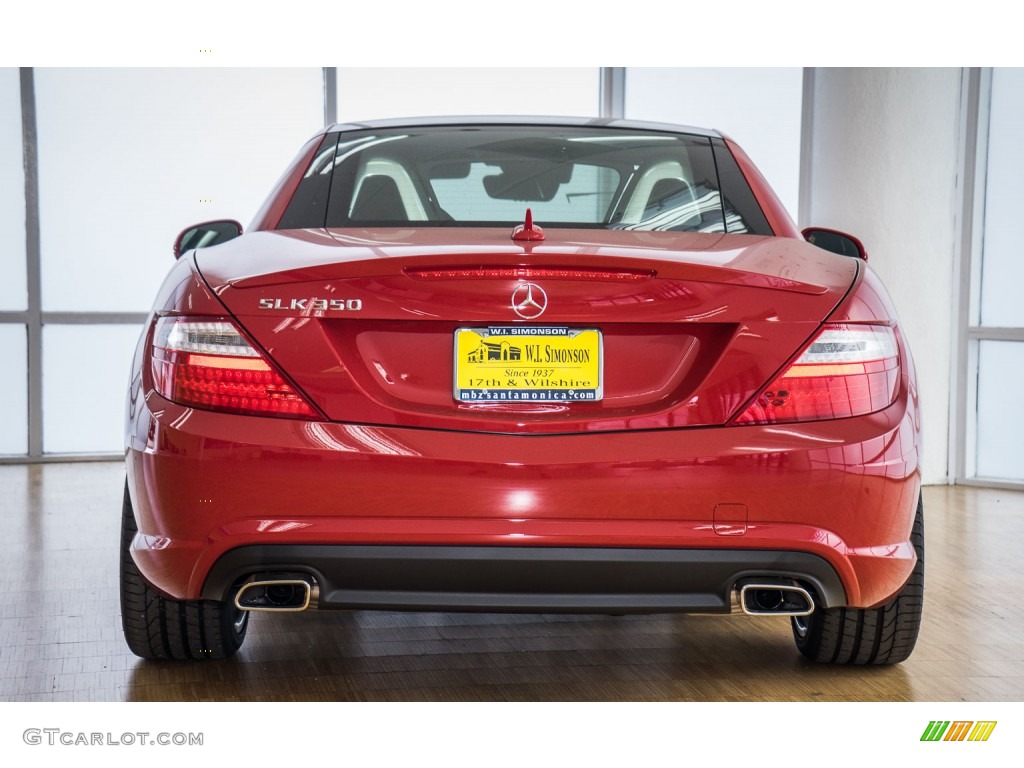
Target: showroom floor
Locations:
point(61, 637)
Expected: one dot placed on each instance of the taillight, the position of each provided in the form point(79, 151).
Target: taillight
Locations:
point(210, 364)
point(848, 370)
point(528, 273)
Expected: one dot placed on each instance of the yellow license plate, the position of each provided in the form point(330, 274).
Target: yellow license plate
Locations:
point(540, 364)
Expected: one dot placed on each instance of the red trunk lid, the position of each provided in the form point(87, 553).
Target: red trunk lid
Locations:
point(364, 322)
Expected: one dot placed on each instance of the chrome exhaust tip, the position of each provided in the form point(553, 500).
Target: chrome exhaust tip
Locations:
point(760, 599)
point(291, 594)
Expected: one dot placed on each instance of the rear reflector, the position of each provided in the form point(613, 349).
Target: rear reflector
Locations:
point(210, 364)
point(529, 273)
point(848, 370)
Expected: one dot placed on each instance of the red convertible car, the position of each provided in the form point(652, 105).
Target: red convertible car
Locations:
point(522, 365)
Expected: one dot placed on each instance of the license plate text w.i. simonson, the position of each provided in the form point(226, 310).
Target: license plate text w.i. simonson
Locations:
point(541, 364)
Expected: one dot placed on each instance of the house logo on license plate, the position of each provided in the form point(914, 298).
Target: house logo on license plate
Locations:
point(541, 364)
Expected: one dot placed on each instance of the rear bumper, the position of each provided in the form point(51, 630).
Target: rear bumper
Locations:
point(206, 485)
point(524, 579)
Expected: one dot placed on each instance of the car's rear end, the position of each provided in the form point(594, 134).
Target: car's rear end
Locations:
point(383, 399)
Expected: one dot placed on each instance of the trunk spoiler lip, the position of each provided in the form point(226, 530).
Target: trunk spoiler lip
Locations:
point(688, 273)
point(264, 259)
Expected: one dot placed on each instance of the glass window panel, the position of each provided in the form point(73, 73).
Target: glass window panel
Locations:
point(468, 176)
point(1002, 271)
point(760, 108)
point(85, 383)
point(130, 157)
point(584, 197)
point(13, 390)
point(372, 93)
point(1000, 418)
point(13, 293)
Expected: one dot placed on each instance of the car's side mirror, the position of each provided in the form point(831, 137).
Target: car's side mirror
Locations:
point(206, 234)
point(835, 241)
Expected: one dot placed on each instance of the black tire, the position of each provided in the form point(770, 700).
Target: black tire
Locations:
point(885, 635)
point(157, 627)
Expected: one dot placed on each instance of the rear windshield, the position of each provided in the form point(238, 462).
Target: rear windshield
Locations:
point(479, 176)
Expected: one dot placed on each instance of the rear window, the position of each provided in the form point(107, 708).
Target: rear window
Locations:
point(477, 176)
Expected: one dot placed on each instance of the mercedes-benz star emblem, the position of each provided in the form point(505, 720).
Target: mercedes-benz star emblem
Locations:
point(529, 301)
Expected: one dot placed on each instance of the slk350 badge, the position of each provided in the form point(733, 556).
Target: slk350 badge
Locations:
point(313, 305)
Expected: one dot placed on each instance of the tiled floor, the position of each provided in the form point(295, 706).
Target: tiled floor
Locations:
point(60, 636)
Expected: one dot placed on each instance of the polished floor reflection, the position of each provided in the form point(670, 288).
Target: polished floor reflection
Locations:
point(60, 636)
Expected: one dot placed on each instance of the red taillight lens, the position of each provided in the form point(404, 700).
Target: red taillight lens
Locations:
point(528, 273)
point(848, 370)
point(210, 364)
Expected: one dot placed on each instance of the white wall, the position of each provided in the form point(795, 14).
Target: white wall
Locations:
point(130, 157)
point(85, 377)
point(1003, 273)
point(760, 108)
point(884, 169)
point(13, 389)
point(999, 418)
point(1000, 422)
point(370, 93)
point(127, 159)
point(13, 295)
